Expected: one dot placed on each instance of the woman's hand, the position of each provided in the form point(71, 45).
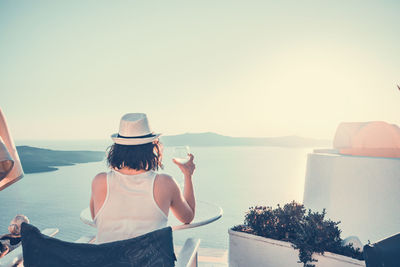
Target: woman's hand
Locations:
point(187, 168)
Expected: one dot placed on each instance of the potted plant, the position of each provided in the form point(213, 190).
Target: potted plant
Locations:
point(289, 236)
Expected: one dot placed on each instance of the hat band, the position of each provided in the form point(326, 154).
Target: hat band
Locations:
point(136, 137)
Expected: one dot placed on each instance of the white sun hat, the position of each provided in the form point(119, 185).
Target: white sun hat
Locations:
point(134, 129)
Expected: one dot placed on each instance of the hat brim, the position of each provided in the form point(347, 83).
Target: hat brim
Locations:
point(133, 141)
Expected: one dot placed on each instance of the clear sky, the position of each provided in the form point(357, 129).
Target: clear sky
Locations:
point(71, 69)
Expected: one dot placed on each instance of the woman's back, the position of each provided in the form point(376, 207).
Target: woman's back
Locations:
point(129, 208)
point(132, 199)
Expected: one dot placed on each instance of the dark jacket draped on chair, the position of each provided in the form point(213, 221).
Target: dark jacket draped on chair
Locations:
point(152, 249)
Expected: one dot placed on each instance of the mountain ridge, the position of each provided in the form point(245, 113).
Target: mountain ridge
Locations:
point(214, 139)
point(35, 159)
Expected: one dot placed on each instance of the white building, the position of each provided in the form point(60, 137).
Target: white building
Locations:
point(358, 181)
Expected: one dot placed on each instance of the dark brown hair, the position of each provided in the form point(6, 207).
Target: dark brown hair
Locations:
point(139, 157)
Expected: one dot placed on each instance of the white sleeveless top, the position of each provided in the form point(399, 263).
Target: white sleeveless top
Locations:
point(129, 209)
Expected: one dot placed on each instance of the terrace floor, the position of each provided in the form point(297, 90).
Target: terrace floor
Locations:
point(210, 257)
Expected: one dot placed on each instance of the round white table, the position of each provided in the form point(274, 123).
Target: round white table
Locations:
point(205, 213)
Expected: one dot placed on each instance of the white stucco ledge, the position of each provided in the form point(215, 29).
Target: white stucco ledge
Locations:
point(331, 151)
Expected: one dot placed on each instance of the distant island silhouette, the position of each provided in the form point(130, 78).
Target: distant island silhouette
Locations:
point(213, 139)
point(35, 159)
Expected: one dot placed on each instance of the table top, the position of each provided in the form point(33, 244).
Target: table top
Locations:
point(205, 213)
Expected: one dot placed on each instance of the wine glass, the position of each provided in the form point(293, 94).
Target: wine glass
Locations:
point(181, 154)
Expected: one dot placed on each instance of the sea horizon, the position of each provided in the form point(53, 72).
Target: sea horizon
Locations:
point(226, 176)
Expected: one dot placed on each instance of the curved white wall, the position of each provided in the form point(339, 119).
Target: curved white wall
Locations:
point(361, 192)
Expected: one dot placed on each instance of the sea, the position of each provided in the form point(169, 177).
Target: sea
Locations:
point(233, 178)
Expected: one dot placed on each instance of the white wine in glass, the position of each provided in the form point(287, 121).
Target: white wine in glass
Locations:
point(181, 154)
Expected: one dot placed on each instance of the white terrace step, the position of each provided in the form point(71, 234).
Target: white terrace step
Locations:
point(210, 257)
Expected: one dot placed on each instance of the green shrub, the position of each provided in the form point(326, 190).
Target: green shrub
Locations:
point(309, 232)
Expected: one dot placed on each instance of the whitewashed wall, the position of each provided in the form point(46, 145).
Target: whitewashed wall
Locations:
point(362, 192)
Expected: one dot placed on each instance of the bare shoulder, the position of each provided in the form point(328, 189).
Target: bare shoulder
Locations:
point(100, 180)
point(165, 180)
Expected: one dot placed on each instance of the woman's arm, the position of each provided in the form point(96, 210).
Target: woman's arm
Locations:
point(99, 193)
point(183, 205)
point(91, 205)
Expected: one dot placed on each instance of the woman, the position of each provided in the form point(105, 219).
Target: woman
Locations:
point(12, 240)
point(132, 199)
